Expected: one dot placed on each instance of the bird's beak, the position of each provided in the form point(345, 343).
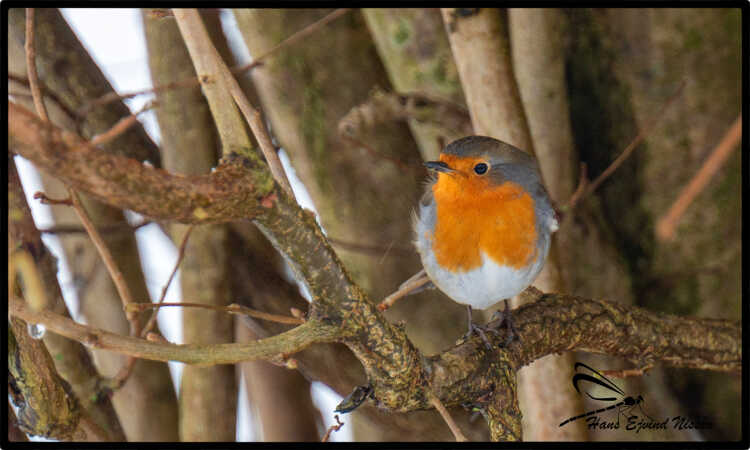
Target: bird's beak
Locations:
point(439, 166)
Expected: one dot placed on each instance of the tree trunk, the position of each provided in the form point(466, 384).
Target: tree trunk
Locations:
point(208, 395)
point(418, 58)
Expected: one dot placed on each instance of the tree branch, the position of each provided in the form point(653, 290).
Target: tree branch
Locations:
point(481, 49)
point(180, 254)
point(551, 323)
point(235, 190)
point(558, 322)
point(273, 348)
point(36, 91)
point(109, 261)
point(72, 361)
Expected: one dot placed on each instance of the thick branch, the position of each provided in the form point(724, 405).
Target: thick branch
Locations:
point(233, 191)
point(68, 73)
point(558, 322)
point(551, 324)
point(555, 323)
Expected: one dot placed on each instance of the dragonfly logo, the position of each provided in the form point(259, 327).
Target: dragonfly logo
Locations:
point(624, 404)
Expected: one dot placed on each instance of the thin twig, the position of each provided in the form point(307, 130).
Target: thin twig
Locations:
point(72, 229)
point(377, 250)
point(666, 225)
point(583, 181)
point(415, 282)
point(114, 96)
point(36, 92)
point(203, 53)
point(120, 127)
point(332, 428)
point(119, 379)
point(122, 287)
point(123, 290)
point(385, 253)
point(434, 401)
point(231, 309)
point(650, 123)
point(180, 255)
point(237, 70)
point(43, 199)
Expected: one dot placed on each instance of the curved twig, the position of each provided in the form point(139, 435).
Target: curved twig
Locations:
point(272, 348)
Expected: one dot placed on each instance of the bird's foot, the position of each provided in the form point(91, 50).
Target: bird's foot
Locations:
point(479, 330)
point(503, 317)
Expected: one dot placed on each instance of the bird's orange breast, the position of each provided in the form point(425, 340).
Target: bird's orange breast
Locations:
point(474, 216)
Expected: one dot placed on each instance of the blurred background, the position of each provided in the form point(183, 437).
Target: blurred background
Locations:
point(355, 107)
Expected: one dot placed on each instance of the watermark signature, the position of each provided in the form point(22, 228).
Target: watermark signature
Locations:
point(625, 406)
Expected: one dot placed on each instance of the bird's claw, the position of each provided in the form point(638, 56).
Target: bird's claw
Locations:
point(497, 320)
point(480, 331)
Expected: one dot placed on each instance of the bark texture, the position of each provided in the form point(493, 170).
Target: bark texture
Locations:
point(45, 405)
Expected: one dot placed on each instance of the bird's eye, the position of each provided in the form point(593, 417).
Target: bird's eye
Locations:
point(480, 169)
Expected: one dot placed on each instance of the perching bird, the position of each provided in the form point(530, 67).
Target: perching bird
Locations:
point(484, 225)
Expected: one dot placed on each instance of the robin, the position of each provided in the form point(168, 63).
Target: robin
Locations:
point(484, 224)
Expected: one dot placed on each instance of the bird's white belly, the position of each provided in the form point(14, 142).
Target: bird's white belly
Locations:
point(484, 286)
